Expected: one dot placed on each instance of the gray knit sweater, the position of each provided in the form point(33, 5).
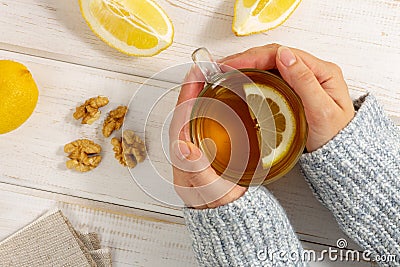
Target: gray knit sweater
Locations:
point(356, 175)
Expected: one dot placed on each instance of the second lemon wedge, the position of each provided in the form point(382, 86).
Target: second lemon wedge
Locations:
point(134, 27)
point(254, 16)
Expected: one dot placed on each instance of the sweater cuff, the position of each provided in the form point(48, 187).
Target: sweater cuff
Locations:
point(371, 138)
point(246, 232)
point(356, 176)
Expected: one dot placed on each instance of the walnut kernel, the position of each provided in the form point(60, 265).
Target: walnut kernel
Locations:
point(117, 147)
point(132, 144)
point(130, 150)
point(89, 111)
point(83, 155)
point(114, 120)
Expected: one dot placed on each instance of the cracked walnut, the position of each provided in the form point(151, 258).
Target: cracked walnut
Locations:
point(89, 111)
point(83, 154)
point(114, 120)
point(130, 149)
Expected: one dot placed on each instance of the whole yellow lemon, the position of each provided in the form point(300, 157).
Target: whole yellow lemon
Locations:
point(18, 95)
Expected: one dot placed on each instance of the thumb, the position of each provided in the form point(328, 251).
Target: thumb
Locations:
point(300, 78)
point(191, 164)
point(197, 184)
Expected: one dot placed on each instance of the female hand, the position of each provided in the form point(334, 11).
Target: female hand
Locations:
point(195, 181)
point(319, 84)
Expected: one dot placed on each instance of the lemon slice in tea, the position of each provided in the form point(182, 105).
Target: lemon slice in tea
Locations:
point(134, 27)
point(274, 121)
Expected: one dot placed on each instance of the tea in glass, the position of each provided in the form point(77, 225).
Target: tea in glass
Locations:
point(249, 123)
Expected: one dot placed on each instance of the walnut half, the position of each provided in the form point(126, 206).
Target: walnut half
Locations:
point(130, 150)
point(89, 111)
point(83, 155)
point(114, 120)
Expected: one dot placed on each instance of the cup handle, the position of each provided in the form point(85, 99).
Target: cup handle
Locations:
point(203, 59)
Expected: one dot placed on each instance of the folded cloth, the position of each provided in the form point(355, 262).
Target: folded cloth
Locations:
point(52, 241)
point(90, 240)
point(102, 257)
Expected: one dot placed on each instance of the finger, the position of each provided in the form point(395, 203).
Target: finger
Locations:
point(183, 186)
point(192, 85)
point(262, 57)
point(329, 75)
point(191, 170)
point(301, 79)
point(190, 161)
point(179, 126)
point(321, 69)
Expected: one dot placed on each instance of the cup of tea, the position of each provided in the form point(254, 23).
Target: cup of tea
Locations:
point(248, 122)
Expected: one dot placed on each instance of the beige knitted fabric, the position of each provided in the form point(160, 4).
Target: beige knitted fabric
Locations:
point(102, 257)
point(90, 240)
point(52, 241)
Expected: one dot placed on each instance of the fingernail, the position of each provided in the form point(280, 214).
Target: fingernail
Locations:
point(286, 56)
point(181, 149)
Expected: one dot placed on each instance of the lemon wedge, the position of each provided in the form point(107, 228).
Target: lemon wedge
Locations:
point(254, 16)
point(134, 27)
point(274, 119)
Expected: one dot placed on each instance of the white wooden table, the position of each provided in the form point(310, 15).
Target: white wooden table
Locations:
point(70, 64)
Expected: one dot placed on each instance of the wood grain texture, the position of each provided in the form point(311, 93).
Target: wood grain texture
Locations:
point(38, 145)
point(71, 64)
point(135, 237)
point(363, 37)
point(135, 240)
point(38, 148)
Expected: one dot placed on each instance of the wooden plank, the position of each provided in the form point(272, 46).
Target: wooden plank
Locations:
point(37, 147)
point(136, 237)
point(395, 119)
point(363, 39)
point(341, 31)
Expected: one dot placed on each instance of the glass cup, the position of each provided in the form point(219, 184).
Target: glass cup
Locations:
point(223, 127)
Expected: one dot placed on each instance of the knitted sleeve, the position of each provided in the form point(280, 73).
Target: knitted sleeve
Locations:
point(251, 231)
point(356, 175)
